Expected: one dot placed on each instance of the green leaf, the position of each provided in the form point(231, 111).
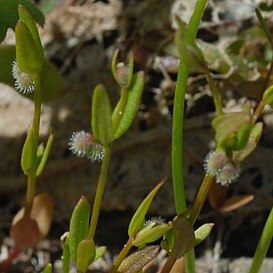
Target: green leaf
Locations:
point(180, 239)
point(52, 84)
point(66, 256)
point(242, 136)
point(150, 235)
point(99, 252)
point(101, 115)
point(232, 130)
point(136, 261)
point(79, 224)
point(27, 19)
point(202, 233)
point(188, 50)
point(86, 254)
point(253, 140)
point(268, 96)
point(40, 152)
point(123, 74)
point(28, 55)
point(9, 15)
point(28, 157)
point(45, 154)
point(48, 268)
point(133, 100)
point(139, 216)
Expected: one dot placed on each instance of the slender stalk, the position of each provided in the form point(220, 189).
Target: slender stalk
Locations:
point(122, 255)
point(177, 126)
point(37, 109)
point(270, 40)
point(258, 111)
point(264, 27)
point(31, 178)
point(201, 197)
point(268, 75)
point(100, 191)
point(178, 115)
point(31, 190)
point(177, 139)
point(263, 245)
point(102, 181)
point(215, 94)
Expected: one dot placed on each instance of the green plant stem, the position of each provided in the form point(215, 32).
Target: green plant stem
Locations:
point(270, 40)
point(264, 26)
point(258, 110)
point(201, 197)
point(263, 245)
point(122, 255)
point(215, 94)
point(178, 115)
point(37, 110)
point(32, 180)
point(31, 190)
point(177, 126)
point(177, 139)
point(100, 190)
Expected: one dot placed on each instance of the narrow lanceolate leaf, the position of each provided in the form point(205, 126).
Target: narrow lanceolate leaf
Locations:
point(122, 73)
point(232, 129)
point(27, 19)
point(101, 115)
point(79, 224)
point(9, 14)
point(28, 55)
point(45, 154)
point(202, 233)
point(28, 157)
point(48, 268)
point(133, 100)
point(268, 96)
point(86, 254)
point(66, 256)
point(99, 252)
point(136, 261)
point(139, 216)
point(253, 140)
point(150, 235)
